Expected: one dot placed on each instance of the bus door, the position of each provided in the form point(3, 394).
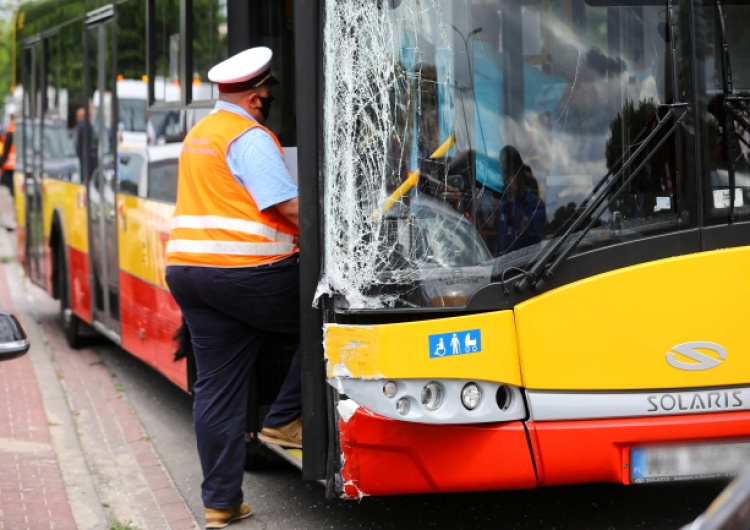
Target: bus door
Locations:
point(99, 170)
point(30, 129)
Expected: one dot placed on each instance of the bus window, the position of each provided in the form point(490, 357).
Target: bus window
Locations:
point(166, 125)
point(162, 181)
point(167, 46)
point(129, 171)
point(60, 159)
point(210, 22)
point(131, 114)
point(727, 93)
point(57, 96)
point(57, 142)
point(514, 115)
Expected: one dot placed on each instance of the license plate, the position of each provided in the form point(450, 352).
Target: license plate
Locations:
point(688, 462)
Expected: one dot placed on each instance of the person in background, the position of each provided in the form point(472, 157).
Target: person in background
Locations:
point(84, 132)
point(7, 167)
point(521, 214)
point(8, 156)
point(78, 137)
point(233, 268)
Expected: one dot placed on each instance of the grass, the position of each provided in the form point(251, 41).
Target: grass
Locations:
point(117, 525)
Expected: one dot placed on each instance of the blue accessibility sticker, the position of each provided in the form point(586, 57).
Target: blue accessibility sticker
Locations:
point(455, 343)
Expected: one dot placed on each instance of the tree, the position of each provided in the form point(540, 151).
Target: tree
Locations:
point(7, 9)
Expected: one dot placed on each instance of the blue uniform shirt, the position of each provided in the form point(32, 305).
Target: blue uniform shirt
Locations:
point(258, 165)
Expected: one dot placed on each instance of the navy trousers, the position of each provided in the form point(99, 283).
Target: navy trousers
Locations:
point(229, 312)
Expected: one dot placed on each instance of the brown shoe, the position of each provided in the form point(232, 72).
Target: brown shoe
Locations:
point(289, 435)
point(221, 517)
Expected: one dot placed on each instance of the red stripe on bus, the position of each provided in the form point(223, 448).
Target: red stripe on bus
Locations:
point(573, 452)
point(150, 317)
point(387, 457)
point(80, 286)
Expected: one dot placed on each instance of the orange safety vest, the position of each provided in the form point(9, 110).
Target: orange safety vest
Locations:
point(216, 221)
point(10, 162)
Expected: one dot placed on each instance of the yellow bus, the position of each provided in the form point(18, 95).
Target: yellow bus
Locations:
point(525, 224)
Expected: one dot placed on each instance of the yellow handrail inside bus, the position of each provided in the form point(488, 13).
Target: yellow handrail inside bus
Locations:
point(411, 180)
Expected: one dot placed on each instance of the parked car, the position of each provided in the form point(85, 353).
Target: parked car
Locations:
point(13, 340)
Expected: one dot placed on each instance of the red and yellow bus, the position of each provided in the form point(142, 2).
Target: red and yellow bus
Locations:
point(525, 224)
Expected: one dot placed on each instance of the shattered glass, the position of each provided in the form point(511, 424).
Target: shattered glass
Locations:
point(462, 137)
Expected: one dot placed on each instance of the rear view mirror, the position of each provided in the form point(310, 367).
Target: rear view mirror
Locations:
point(13, 340)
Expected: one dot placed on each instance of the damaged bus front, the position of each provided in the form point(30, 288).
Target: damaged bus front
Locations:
point(526, 207)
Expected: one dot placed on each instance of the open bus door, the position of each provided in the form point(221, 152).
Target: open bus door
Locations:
point(99, 170)
point(30, 155)
point(320, 443)
point(292, 31)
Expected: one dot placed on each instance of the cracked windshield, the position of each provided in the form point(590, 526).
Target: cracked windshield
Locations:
point(463, 138)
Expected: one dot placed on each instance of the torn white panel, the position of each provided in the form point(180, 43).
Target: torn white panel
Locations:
point(341, 370)
point(346, 409)
point(360, 494)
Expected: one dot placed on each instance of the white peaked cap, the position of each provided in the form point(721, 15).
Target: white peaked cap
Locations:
point(245, 70)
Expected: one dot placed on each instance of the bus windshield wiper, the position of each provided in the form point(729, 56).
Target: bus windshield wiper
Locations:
point(540, 272)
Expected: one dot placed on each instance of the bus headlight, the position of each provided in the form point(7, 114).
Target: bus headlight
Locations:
point(471, 395)
point(403, 406)
point(389, 389)
point(436, 401)
point(432, 395)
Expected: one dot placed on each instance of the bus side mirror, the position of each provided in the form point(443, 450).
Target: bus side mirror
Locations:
point(13, 340)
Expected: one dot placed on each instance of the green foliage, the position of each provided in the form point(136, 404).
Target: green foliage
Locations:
point(6, 52)
point(118, 525)
point(131, 38)
point(66, 45)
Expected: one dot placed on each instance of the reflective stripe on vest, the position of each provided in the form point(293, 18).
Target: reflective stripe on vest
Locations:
point(236, 225)
point(230, 248)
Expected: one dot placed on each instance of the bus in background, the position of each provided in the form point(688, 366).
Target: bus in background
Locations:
point(511, 211)
point(140, 126)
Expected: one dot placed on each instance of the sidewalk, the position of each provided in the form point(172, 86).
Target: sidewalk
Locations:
point(73, 455)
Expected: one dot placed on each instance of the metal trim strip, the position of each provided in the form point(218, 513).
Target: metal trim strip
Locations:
point(562, 406)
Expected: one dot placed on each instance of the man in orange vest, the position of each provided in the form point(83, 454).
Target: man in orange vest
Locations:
point(233, 268)
point(8, 156)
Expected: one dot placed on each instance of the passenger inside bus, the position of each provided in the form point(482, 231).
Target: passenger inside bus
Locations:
point(521, 212)
point(84, 129)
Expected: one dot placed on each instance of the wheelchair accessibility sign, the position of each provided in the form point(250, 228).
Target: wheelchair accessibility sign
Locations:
point(455, 343)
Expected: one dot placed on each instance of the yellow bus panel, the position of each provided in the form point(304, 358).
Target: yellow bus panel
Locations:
point(143, 233)
point(70, 202)
point(673, 323)
point(402, 351)
point(20, 197)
